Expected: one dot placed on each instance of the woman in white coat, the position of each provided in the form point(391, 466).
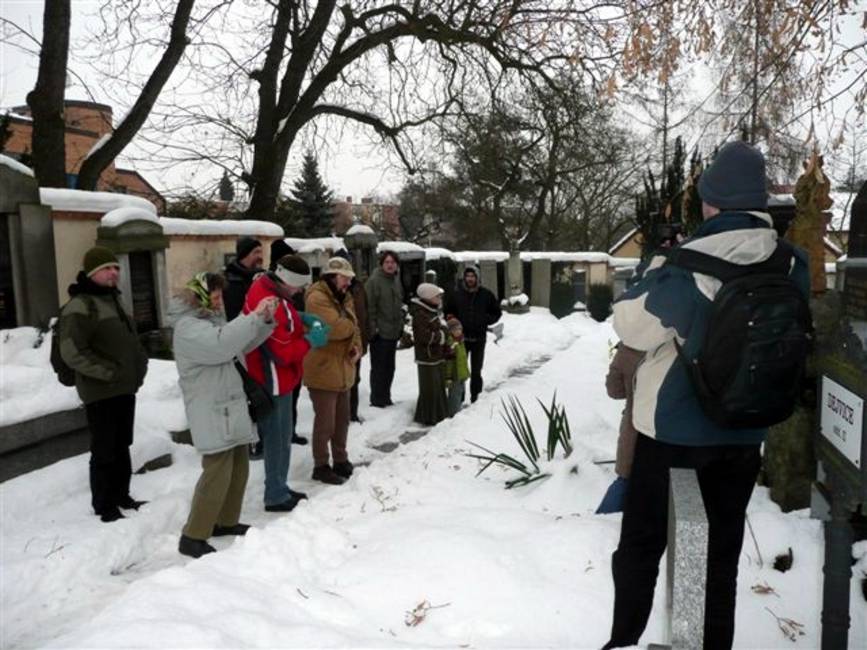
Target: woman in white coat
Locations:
point(205, 349)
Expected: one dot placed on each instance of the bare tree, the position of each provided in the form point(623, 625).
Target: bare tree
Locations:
point(101, 156)
point(46, 98)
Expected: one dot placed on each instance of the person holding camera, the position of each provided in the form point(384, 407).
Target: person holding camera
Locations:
point(205, 349)
point(667, 315)
point(277, 365)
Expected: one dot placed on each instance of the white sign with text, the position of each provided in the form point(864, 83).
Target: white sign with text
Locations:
point(842, 421)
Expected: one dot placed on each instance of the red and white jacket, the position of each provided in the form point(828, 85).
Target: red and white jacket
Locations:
point(277, 364)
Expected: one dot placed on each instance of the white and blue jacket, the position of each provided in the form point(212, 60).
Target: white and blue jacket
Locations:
point(670, 302)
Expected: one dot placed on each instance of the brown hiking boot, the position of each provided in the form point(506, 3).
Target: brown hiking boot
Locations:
point(325, 474)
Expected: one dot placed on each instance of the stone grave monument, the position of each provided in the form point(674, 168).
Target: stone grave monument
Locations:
point(840, 490)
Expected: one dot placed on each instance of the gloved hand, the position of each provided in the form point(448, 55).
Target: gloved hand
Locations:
point(310, 319)
point(318, 335)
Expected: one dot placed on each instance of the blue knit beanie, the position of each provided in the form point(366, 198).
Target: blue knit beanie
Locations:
point(735, 180)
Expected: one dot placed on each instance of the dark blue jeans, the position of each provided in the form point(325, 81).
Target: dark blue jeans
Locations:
point(275, 431)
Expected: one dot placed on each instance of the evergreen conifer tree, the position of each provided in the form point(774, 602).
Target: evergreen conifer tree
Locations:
point(311, 201)
point(663, 205)
point(227, 190)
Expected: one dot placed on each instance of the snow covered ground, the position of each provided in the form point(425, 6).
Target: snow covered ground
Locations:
point(523, 568)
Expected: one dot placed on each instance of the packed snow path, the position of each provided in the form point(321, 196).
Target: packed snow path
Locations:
point(355, 564)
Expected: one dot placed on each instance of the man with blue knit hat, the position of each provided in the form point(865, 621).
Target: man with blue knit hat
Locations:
point(666, 315)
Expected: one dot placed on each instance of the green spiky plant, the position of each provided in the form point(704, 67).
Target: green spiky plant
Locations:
point(515, 417)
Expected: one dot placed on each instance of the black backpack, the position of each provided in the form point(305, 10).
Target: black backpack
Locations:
point(750, 365)
point(65, 374)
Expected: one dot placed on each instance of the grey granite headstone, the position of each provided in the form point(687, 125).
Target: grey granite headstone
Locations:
point(488, 269)
point(541, 283)
point(687, 559)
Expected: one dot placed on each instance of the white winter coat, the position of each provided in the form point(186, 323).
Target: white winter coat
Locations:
point(205, 347)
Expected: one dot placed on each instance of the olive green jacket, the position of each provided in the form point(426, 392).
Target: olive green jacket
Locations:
point(384, 305)
point(99, 341)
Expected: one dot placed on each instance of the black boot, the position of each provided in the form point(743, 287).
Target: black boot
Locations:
point(194, 547)
point(237, 529)
point(343, 469)
point(298, 496)
point(298, 440)
point(287, 506)
point(325, 474)
point(128, 503)
point(113, 514)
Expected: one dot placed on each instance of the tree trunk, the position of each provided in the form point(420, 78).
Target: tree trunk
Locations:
point(754, 95)
point(97, 161)
point(46, 98)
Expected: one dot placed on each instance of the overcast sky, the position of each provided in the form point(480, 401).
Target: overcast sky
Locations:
point(355, 164)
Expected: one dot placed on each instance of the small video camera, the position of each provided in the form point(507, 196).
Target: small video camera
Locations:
point(667, 234)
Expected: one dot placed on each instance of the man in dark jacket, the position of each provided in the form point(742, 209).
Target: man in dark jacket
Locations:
point(476, 308)
point(240, 273)
point(670, 307)
point(98, 340)
point(385, 325)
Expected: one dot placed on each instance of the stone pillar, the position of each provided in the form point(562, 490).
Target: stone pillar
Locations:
point(541, 284)
point(488, 270)
point(31, 235)
point(515, 274)
point(125, 282)
point(161, 281)
point(687, 559)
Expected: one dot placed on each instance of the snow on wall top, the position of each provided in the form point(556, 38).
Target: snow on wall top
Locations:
point(360, 229)
point(480, 256)
point(399, 247)
point(621, 262)
point(121, 215)
point(438, 253)
point(84, 201)
point(587, 257)
point(316, 244)
point(220, 228)
point(11, 163)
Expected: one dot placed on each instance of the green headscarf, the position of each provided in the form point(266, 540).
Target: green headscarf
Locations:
point(199, 286)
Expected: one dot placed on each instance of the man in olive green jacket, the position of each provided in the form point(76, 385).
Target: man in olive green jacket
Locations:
point(98, 340)
point(385, 317)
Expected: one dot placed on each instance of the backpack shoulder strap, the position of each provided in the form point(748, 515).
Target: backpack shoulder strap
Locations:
point(778, 262)
point(698, 262)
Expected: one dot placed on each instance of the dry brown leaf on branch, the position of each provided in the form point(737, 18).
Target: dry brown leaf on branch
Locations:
point(417, 615)
point(764, 588)
point(791, 629)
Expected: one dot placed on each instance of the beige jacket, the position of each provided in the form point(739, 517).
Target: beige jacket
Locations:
point(620, 384)
point(330, 367)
